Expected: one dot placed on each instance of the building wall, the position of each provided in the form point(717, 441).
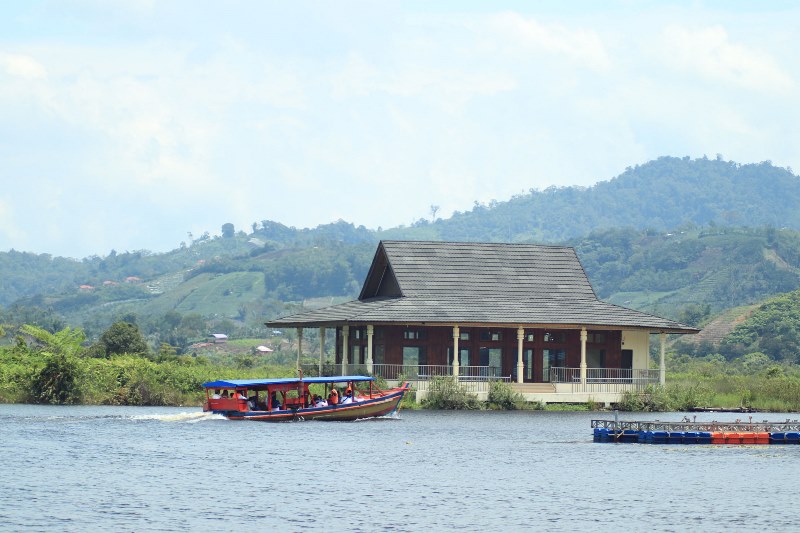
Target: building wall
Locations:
point(434, 343)
point(639, 342)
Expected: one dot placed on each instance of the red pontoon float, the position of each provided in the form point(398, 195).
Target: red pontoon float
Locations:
point(282, 399)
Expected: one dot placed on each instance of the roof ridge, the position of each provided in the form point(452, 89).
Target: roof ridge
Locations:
point(492, 243)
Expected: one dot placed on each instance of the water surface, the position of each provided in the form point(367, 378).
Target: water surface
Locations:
point(167, 469)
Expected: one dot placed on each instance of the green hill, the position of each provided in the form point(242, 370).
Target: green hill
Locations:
point(666, 237)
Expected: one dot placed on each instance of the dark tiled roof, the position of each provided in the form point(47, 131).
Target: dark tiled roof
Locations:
point(415, 310)
point(513, 270)
point(480, 283)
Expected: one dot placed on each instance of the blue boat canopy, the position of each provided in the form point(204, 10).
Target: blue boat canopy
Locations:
point(261, 383)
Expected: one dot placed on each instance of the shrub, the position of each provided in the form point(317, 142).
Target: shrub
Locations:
point(447, 393)
point(56, 382)
point(503, 396)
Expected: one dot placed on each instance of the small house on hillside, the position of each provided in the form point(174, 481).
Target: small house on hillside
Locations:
point(218, 338)
point(521, 313)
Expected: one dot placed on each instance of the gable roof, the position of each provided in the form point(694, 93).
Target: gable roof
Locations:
point(435, 269)
point(449, 283)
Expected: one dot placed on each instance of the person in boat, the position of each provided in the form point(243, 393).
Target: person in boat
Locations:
point(251, 403)
point(333, 397)
point(319, 402)
point(274, 403)
point(216, 395)
point(239, 396)
point(348, 396)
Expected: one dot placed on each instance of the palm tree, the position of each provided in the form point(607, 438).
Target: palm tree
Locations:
point(68, 341)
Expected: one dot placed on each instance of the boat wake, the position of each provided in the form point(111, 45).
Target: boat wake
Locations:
point(190, 418)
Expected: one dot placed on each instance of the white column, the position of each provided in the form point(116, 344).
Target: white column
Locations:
point(370, 332)
point(584, 336)
point(345, 348)
point(456, 337)
point(321, 349)
point(299, 345)
point(662, 367)
point(520, 365)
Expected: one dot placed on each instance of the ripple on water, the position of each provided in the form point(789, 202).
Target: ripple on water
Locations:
point(148, 469)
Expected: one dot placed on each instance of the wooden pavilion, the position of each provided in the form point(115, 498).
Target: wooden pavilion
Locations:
point(521, 313)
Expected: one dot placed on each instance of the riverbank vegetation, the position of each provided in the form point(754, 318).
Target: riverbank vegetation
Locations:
point(751, 382)
point(119, 369)
point(41, 367)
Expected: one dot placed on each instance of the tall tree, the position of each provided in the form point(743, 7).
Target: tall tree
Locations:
point(123, 338)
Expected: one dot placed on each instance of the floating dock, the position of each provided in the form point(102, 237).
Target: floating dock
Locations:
point(692, 432)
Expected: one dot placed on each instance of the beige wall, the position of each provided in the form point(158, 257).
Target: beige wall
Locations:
point(639, 342)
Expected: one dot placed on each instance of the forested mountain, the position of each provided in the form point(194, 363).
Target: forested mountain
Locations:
point(662, 195)
point(667, 237)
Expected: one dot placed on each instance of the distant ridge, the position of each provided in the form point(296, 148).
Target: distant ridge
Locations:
point(661, 195)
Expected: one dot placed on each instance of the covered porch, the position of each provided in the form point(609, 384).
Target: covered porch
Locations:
point(526, 360)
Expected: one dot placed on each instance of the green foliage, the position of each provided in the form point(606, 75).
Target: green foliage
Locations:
point(56, 382)
point(772, 329)
point(692, 273)
point(503, 396)
point(447, 393)
point(671, 397)
point(123, 338)
point(31, 375)
point(750, 381)
point(65, 342)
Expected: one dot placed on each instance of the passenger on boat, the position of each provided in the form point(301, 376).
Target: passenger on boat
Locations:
point(276, 405)
point(333, 397)
point(239, 396)
point(348, 396)
point(319, 402)
point(216, 395)
point(251, 403)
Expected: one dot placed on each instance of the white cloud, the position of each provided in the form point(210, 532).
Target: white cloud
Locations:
point(157, 128)
point(518, 35)
point(22, 66)
point(710, 53)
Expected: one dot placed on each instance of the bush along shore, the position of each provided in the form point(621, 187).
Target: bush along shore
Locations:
point(56, 368)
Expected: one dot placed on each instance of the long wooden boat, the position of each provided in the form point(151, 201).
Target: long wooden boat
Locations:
point(283, 399)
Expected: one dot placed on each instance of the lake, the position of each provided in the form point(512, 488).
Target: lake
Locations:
point(167, 469)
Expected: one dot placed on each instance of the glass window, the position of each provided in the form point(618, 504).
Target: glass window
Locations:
point(595, 358)
point(552, 359)
point(464, 336)
point(487, 335)
point(529, 337)
point(379, 354)
point(356, 355)
point(527, 359)
point(554, 336)
point(492, 358)
point(410, 355)
point(414, 355)
point(463, 356)
point(596, 338)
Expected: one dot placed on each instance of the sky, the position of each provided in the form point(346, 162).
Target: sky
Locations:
point(131, 125)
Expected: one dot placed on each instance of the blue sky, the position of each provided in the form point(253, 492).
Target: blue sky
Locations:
point(127, 125)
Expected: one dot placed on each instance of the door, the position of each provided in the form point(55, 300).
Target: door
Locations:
point(493, 359)
point(527, 365)
point(627, 365)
